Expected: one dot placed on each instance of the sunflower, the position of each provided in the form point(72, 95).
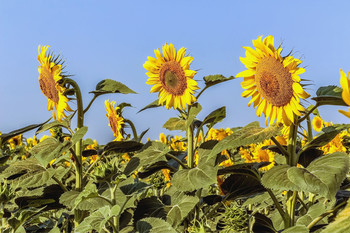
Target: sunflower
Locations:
point(49, 76)
point(317, 123)
point(345, 84)
point(272, 81)
point(116, 122)
point(171, 77)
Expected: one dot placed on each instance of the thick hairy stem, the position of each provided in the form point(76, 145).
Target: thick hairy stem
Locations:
point(190, 154)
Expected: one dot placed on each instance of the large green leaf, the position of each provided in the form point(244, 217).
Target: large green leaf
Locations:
point(149, 207)
point(341, 224)
point(181, 205)
point(297, 229)
point(199, 177)
point(111, 86)
point(154, 225)
point(313, 212)
point(323, 176)
point(175, 123)
point(251, 133)
point(49, 149)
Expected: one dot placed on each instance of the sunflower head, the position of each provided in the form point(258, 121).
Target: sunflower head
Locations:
point(116, 121)
point(49, 77)
point(345, 84)
point(171, 77)
point(272, 81)
point(317, 123)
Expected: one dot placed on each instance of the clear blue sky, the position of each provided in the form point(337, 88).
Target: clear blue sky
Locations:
point(112, 39)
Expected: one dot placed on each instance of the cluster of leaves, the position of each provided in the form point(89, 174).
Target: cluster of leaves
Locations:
point(124, 190)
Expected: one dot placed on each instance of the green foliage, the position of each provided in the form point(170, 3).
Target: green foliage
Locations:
point(323, 176)
point(329, 95)
point(212, 80)
point(341, 223)
point(154, 225)
point(175, 123)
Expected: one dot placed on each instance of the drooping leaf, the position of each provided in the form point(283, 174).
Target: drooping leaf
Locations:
point(154, 104)
point(262, 224)
point(6, 136)
point(111, 86)
point(215, 117)
point(154, 225)
point(123, 146)
point(211, 80)
point(22, 216)
point(175, 123)
point(251, 133)
point(153, 168)
point(194, 110)
point(199, 177)
point(65, 123)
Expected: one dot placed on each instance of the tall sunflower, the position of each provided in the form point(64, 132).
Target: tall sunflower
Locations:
point(116, 121)
point(49, 76)
point(272, 81)
point(171, 77)
point(345, 84)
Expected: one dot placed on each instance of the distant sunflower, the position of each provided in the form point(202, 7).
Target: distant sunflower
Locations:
point(116, 122)
point(272, 81)
point(345, 84)
point(49, 76)
point(171, 77)
point(317, 123)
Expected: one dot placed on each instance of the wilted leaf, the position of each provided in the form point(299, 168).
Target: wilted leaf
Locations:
point(111, 86)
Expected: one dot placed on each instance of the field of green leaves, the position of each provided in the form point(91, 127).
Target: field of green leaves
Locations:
point(290, 175)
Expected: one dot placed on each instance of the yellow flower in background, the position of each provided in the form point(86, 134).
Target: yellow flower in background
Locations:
point(171, 77)
point(15, 141)
point(336, 145)
point(345, 84)
point(218, 134)
point(166, 173)
point(49, 75)
point(116, 122)
point(317, 123)
point(272, 81)
point(260, 155)
point(93, 146)
point(177, 145)
point(163, 138)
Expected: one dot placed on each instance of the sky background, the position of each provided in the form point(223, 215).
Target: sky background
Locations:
point(112, 39)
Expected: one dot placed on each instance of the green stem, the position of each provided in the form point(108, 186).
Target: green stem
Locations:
point(132, 127)
point(316, 220)
point(292, 160)
point(291, 201)
point(278, 206)
point(92, 100)
point(309, 129)
point(201, 92)
point(78, 215)
point(190, 155)
point(280, 147)
point(308, 113)
point(60, 184)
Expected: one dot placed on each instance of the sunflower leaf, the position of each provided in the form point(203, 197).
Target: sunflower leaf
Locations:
point(65, 123)
point(154, 104)
point(153, 225)
point(6, 136)
point(329, 95)
point(215, 117)
point(251, 133)
point(194, 110)
point(111, 86)
point(212, 80)
point(175, 123)
point(341, 223)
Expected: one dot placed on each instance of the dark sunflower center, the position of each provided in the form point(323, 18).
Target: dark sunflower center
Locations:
point(48, 85)
point(173, 78)
point(274, 82)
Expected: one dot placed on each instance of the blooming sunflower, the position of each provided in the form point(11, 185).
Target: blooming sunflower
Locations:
point(272, 81)
point(317, 123)
point(345, 84)
point(116, 122)
point(49, 76)
point(171, 77)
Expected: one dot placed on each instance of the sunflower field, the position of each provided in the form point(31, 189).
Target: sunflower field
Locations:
point(290, 175)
